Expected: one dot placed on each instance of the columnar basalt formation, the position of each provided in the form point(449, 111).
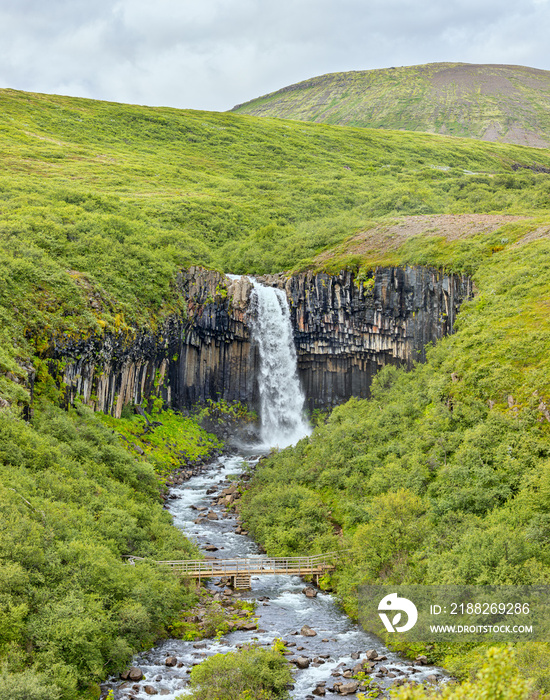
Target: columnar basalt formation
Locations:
point(216, 358)
point(346, 328)
point(203, 354)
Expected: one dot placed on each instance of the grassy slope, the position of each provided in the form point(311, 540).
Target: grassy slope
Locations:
point(441, 477)
point(72, 503)
point(495, 102)
point(101, 204)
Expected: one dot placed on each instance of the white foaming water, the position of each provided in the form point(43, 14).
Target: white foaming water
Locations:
point(281, 397)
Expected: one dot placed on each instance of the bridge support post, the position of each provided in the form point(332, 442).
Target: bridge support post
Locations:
point(241, 581)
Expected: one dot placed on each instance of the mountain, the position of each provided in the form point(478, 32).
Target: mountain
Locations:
point(488, 102)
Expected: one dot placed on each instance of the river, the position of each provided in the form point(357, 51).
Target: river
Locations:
point(284, 614)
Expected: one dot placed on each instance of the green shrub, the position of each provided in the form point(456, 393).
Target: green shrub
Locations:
point(27, 685)
point(249, 674)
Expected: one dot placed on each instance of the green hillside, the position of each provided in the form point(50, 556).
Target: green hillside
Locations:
point(489, 102)
point(101, 205)
point(443, 476)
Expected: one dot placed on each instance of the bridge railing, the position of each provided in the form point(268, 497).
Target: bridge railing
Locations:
point(280, 565)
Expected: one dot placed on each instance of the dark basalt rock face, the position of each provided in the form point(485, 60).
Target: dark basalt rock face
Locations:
point(345, 331)
point(205, 354)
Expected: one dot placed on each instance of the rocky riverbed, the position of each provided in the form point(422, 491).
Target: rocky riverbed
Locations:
point(326, 648)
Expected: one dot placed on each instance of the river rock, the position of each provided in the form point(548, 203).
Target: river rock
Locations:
point(347, 688)
point(301, 662)
point(150, 690)
point(422, 660)
point(306, 631)
point(135, 674)
point(309, 592)
point(211, 548)
point(212, 516)
point(320, 691)
point(371, 654)
point(171, 661)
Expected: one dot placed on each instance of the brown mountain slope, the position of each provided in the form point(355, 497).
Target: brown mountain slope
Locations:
point(489, 102)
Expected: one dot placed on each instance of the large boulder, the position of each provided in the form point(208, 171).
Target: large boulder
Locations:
point(301, 662)
point(171, 661)
point(348, 688)
point(135, 674)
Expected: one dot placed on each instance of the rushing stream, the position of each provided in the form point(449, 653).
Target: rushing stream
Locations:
point(282, 608)
point(284, 614)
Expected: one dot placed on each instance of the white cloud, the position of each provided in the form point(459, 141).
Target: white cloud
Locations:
point(211, 54)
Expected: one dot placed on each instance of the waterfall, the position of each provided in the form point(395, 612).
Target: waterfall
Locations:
point(281, 397)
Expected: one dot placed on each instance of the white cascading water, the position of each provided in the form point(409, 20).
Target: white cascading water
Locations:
point(281, 397)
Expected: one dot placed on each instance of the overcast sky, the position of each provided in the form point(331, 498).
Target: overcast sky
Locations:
point(213, 54)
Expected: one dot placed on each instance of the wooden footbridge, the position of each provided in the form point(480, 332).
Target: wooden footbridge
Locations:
point(240, 571)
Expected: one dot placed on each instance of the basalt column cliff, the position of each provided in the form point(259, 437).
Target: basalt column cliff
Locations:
point(345, 330)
